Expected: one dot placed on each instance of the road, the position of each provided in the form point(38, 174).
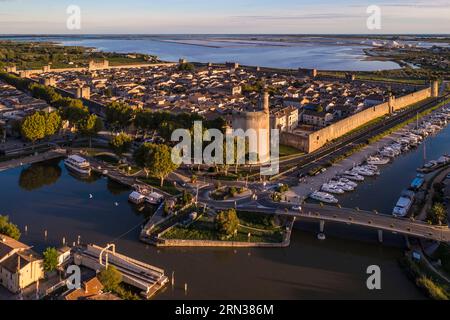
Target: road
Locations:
point(348, 216)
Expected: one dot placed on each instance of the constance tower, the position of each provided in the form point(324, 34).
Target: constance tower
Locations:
point(259, 121)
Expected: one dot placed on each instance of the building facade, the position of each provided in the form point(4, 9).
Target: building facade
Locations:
point(20, 267)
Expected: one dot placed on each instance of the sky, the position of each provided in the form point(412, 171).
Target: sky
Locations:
point(224, 17)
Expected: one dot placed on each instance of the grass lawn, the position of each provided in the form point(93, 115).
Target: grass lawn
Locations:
point(107, 158)
point(257, 220)
point(288, 151)
point(204, 229)
point(167, 187)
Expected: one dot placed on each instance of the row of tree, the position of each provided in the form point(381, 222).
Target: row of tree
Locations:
point(40, 125)
point(120, 115)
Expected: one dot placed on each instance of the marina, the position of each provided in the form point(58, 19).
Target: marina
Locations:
point(410, 138)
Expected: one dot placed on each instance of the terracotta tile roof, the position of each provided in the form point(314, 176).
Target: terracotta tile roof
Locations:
point(89, 289)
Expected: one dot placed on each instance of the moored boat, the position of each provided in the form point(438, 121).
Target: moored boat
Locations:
point(78, 164)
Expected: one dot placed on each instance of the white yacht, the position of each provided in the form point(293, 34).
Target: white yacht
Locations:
point(349, 182)
point(353, 176)
point(373, 160)
point(78, 164)
point(387, 152)
point(363, 171)
point(372, 167)
point(332, 188)
point(342, 185)
point(323, 197)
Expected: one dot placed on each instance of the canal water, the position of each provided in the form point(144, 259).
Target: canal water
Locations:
point(382, 192)
point(47, 197)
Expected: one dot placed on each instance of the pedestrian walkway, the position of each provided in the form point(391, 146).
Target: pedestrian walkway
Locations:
point(48, 155)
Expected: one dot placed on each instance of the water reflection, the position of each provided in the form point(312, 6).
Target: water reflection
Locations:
point(39, 175)
point(93, 177)
point(116, 188)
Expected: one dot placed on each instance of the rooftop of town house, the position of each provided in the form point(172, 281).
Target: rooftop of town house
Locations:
point(214, 89)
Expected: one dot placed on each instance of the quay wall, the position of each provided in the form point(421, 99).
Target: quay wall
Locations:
point(321, 137)
point(218, 244)
point(224, 244)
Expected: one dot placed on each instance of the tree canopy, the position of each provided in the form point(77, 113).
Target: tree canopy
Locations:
point(156, 160)
point(227, 222)
point(50, 259)
point(110, 278)
point(438, 213)
point(40, 125)
point(119, 115)
point(74, 111)
point(33, 127)
point(8, 228)
point(90, 126)
point(52, 123)
point(121, 143)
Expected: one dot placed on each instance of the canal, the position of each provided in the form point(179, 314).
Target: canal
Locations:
point(382, 192)
point(47, 197)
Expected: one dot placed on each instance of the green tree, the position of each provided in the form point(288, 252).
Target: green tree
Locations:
point(119, 115)
point(187, 197)
point(74, 112)
point(52, 123)
point(227, 222)
point(156, 160)
point(50, 259)
point(121, 143)
point(8, 228)
point(145, 121)
point(33, 127)
point(90, 127)
point(438, 213)
point(186, 67)
point(110, 278)
point(43, 92)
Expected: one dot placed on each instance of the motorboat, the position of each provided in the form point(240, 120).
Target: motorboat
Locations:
point(332, 188)
point(342, 185)
point(353, 176)
point(323, 197)
point(363, 171)
point(374, 160)
point(348, 181)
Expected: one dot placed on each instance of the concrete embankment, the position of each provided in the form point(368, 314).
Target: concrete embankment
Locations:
point(48, 155)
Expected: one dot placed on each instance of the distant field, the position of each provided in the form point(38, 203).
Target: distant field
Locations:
point(34, 55)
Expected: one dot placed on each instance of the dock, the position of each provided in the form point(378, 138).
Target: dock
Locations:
point(143, 276)
point(116, 175)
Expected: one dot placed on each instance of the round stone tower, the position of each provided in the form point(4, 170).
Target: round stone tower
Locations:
point(257, 121)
